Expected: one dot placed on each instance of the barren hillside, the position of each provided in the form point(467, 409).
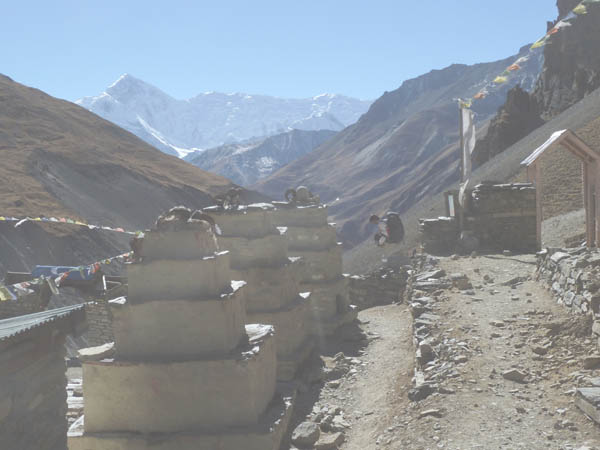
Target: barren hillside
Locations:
point(58, 159)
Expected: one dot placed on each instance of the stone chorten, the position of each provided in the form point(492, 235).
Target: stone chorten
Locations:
point(259, 255)
point(187, 373)
point(311, 237)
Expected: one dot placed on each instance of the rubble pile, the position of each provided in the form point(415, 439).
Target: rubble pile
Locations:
point(381, 287)
point(313, 239)
point(259, 255)
point(183, 321)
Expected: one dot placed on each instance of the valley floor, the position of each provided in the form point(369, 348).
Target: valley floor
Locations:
point(486, 332)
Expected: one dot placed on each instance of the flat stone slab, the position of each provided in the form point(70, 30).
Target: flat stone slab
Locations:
point(267, 434)
point(588, 400)
point(301, 216)
point(179, 329)
point(321, 265)
point(313, 238)
point(185, 244)
point(249, 221)
point(188, 395)
point(270, 288)
point(292, 325)
point(176, 279)
point(267, 251)
point(327, 297)
point(559, 256)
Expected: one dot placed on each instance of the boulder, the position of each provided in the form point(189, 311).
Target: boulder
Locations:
point(306, 434)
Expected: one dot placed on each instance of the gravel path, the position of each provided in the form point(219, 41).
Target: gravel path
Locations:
point(480, 335)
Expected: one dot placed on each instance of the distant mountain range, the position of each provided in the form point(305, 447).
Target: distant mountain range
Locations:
point(247, 162)
point(211, 119)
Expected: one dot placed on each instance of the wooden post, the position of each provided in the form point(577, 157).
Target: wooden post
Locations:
point(539, 193)
point(462, 146)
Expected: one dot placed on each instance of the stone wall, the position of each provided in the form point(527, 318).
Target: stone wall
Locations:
point(382, 287)
point(33, 398)
point(497, 217)
point(573, 277)
point(99, 323)
point(503, 217)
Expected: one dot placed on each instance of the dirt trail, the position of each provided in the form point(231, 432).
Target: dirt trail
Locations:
point(483, 333)
point(380, 390)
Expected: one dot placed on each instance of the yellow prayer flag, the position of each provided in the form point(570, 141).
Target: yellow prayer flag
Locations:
point(580, 9)
point(500, 79)
point(540, 43)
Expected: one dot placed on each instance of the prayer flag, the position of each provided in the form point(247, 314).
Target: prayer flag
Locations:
point(500, 79)
point(479, 96)
point(580, 9)
point(540, 43)
point(562, 24)
point(522, 59)
point(514, 67)
point(468, 140)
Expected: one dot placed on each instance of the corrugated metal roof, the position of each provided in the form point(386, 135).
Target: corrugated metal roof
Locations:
point(17, 325)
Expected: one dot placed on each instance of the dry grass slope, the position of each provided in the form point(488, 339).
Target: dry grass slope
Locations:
point(60, 159)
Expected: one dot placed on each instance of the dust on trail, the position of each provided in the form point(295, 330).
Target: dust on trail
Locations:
point(493, 329)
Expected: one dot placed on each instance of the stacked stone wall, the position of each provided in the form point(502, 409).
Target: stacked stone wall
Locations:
point(382, 287)
point(99, 323)
point(573, 277)
point(496, 217)
point(33, 398)
point(503, 216)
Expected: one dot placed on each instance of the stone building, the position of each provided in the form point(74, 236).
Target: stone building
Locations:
point(33, 397)
point(313, 239)
point(259, 255)
point(187, 372)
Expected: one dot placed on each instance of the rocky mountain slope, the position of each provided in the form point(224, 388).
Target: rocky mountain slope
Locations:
point(571, 72)
point(58, 159)
point(212, 119)
point(403, 149)
point(583, 118)
point(247, 162)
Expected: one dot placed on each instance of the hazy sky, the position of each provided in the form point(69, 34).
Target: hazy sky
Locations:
point(74, 48)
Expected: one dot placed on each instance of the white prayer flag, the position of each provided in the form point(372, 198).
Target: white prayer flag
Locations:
point(468, 145)
point(468, 139)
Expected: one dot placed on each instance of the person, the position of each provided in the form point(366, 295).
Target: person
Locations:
point(390, 228)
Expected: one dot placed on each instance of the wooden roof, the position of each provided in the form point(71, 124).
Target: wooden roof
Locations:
point(567, 139)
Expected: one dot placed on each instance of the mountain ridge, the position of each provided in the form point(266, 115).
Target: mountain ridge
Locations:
point(247, 162)
point(211, 119)
point(403, 149)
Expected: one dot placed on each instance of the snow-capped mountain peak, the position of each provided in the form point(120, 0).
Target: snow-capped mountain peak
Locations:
point(213, 118)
